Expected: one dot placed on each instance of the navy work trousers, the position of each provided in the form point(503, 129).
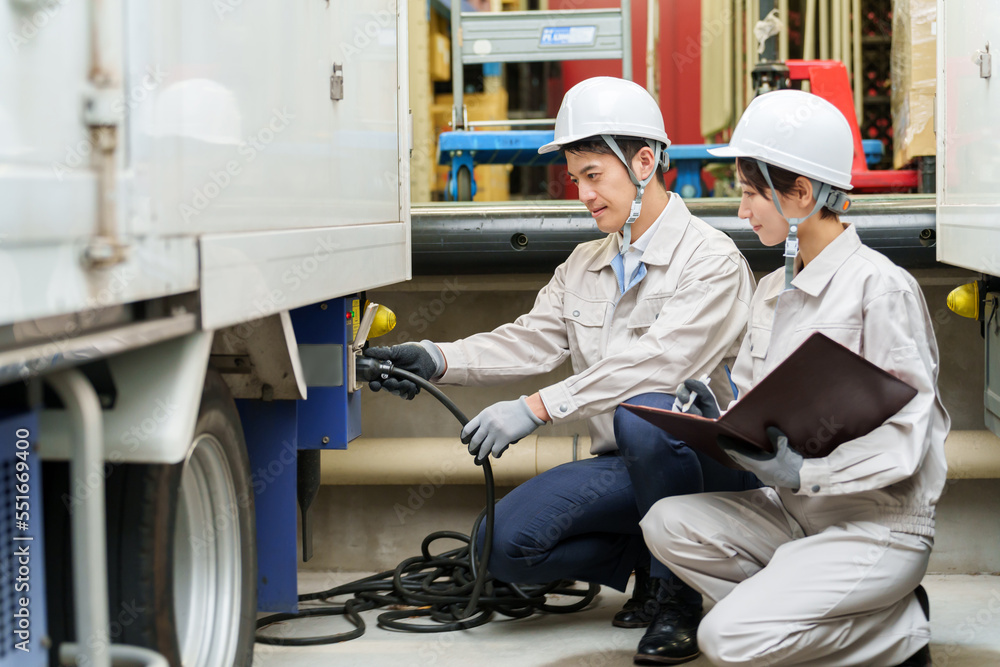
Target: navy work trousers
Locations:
point(580, 520)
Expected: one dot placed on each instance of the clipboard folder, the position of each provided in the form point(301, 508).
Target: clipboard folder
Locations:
point(821, 396)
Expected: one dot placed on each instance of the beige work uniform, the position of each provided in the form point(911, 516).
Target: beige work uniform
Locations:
point(824, 575)
point(684, 319)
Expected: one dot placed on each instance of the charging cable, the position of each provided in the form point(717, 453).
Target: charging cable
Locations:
point(454, 589)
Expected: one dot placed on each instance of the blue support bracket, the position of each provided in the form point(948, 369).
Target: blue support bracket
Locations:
point(271, 437)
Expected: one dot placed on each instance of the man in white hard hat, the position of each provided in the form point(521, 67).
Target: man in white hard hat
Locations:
point(825, 567)
point(663, 297)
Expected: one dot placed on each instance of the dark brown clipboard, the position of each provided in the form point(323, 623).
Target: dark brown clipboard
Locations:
point(821, 396)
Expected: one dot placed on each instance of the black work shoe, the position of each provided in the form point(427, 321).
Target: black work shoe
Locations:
point(925, 602)
point(921, 658)
point(640, 609)
point(672, 636)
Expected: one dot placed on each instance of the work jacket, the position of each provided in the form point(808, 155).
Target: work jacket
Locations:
point(684, 319)
point(856, 296)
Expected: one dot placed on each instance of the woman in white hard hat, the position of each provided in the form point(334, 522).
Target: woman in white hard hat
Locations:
point(662, 297)
point(825, 567)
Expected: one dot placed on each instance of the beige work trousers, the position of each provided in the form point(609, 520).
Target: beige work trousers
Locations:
point(840, 596)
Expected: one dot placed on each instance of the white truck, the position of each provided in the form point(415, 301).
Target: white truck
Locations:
point(968, 164)
point(178, 179)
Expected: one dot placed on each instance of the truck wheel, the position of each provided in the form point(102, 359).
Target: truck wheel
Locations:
point(181, 545)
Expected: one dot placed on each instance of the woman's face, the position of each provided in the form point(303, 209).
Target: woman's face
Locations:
point(759, 210)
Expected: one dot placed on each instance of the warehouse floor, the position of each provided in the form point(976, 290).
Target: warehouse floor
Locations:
point(965, 613)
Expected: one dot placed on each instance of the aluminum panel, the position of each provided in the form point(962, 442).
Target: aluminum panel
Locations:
point(42, 280)
point(968, 143)
point(242, 133)
point(505, 37)
point(228, 127)
point(249, 276)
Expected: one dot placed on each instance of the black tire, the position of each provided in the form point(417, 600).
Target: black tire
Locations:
point(147, 561)
point(464, 184)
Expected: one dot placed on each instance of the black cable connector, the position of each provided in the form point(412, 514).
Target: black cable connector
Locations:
point(453, 589)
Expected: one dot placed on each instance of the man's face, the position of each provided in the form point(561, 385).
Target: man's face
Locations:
point(605, 188)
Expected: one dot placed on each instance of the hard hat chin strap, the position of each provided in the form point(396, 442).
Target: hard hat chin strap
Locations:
point(825, 196)
point(640, 185)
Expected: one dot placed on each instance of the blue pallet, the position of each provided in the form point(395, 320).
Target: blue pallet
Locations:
point(517, 147)
point(520, 147)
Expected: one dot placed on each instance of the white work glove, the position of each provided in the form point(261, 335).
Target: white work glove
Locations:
point(498, 426)
point(778, 468)
point(704, 404)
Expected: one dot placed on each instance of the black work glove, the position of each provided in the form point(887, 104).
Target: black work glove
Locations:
point(704, 403)
point(423, 359)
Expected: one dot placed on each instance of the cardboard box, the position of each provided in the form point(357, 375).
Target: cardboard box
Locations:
point(440, 48)
point(914, 79)
point(492, 181)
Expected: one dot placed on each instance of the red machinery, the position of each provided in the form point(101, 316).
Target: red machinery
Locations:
point(828, 79)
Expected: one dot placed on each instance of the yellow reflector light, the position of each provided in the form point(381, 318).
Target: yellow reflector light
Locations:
point(385, 321)
point(964, 300)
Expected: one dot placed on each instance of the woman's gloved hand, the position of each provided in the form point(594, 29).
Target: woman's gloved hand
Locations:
point(499, 426)
point(424, 359)
point(778, 468)
point(704, 404)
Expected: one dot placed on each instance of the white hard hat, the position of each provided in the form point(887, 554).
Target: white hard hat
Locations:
point(607, 105)
point(797, 131)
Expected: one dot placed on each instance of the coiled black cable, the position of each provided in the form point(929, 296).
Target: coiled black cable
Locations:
point(453, 589)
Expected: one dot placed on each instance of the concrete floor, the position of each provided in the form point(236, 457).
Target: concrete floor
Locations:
point(965, 616)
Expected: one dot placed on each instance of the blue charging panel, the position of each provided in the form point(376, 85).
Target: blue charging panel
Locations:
point(331, 416)
point(22, 550)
